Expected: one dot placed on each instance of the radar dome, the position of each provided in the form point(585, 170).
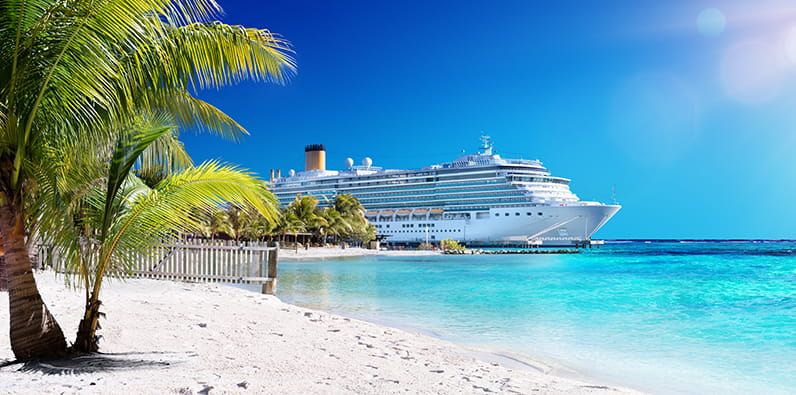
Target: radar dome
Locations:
point(292, 172)
point(367, 162)
point(349, 162)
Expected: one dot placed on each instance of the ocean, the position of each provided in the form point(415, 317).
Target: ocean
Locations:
point(663, 317)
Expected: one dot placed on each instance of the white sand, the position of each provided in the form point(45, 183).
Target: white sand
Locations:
point(169, 337)
point(336, 252)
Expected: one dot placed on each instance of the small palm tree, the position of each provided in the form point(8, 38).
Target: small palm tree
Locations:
point(125, 218)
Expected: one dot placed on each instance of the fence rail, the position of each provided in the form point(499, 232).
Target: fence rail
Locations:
point(252, 263)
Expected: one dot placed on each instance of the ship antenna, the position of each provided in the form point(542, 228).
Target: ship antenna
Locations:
point(486, 144)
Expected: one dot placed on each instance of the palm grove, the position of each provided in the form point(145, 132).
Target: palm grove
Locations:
point(342, 220)
point(93, 97)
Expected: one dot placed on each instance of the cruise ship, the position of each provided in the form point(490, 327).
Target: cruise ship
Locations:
point(478, 199)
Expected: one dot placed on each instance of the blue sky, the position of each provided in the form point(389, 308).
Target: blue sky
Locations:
point(686, 108)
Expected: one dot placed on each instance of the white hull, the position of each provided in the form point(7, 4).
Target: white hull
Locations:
point(567, 225)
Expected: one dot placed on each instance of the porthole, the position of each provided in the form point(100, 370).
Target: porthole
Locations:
point(517, 214)
point(539, 213)
point(507, 214)
point(497, 215)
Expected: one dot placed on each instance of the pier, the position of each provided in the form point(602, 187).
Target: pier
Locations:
point(509, 252)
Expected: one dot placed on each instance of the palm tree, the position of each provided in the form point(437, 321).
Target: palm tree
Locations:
point(292, 224)
point(256, 226)
point(211, 222)
point(336, 224)
point(303, 214)
point(348, 205)
point(237, 220)
point(126, 218)
point(353, 214)
point(80, 71)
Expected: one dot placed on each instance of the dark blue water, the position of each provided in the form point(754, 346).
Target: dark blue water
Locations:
point(661, 317)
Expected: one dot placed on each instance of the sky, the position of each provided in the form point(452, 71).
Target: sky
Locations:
point(686, 109)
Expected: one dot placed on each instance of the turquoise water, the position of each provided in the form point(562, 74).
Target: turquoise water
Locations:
point(662, 317)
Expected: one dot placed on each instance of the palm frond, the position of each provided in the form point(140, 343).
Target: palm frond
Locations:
point(197, 115)
point(159, 214)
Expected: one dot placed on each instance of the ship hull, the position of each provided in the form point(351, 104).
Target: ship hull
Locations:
point(560, 226)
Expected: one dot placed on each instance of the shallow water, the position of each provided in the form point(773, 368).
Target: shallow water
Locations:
point(661, 317)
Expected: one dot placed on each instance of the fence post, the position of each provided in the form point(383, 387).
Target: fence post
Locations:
point(269, 288)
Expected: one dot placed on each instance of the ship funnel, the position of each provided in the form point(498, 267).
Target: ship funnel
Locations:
point(314, 157)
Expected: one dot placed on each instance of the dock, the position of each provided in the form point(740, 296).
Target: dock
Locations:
point(509, 252)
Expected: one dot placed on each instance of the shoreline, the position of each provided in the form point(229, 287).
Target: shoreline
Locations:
point(162, 336)
point(325, 253)
point(479, 351)
point(484, 353)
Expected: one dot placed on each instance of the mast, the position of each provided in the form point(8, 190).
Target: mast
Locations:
point(486, 145)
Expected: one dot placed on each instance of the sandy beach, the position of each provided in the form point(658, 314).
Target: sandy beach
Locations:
point(171, 337)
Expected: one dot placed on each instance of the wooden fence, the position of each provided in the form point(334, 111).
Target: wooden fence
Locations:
point(219, 261)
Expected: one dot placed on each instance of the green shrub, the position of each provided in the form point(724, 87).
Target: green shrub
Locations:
point(449, 244)
point(426, 246)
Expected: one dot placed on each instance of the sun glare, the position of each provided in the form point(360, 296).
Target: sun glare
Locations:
point(711, 22)
point(790, 44)
point(752, 71)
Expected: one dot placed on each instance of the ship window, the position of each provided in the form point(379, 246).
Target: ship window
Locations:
point(528, 213)
point(507, 214)
point(497, 215)
point(539, 213)
point(517, 214)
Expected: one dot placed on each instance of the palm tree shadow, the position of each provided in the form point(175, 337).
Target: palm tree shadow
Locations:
point(102, 363)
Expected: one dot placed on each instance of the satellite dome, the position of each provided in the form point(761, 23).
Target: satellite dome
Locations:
point(349, 162)
point(367, 162)
point(291, 172)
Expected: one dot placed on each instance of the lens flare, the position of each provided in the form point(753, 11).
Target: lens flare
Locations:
point(790, 45)
point(752, 71)
point(711, 22)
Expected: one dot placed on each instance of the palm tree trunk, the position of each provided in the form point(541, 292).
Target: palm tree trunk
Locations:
point(34, 332)
point(87, 340)
point(3, 271)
